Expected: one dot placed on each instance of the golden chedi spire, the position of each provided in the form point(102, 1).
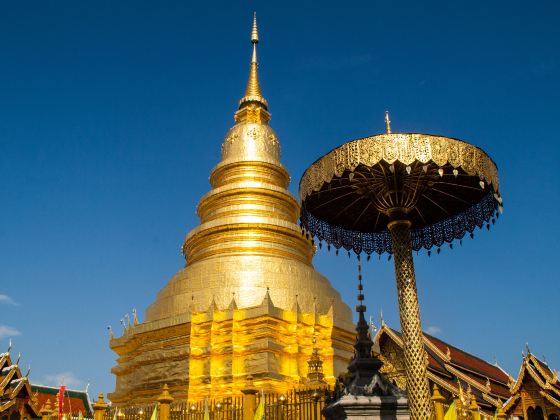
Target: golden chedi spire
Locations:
point(245, 263)
point(253, 106)
point(248, 238)
point(253, 92)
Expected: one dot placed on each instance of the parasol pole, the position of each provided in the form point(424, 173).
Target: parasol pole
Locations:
point(415, 357)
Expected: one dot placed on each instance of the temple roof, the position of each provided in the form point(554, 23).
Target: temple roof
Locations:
point(539, 371)
point(449, 367)
point(14, 387)
point(74, 400)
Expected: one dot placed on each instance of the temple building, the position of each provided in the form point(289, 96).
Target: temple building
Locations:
point(248, 299)
point(16, 397)
point(73, 401)
point(20, 399)
point(473, 384)
point(535, 393)
point(456, 375)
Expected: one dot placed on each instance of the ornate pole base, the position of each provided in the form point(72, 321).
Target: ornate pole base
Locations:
point(419, 397)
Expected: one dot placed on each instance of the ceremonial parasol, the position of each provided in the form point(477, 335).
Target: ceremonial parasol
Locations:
point(395, 193)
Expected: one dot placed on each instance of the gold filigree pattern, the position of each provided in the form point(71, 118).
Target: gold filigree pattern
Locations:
point(405, 148)
point(249, 269)
point(396, 193)
point(415, 357)
point(251, 142)
point(393, 366)
point(446, 187)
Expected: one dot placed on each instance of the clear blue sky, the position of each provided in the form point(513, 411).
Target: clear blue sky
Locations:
point(112, 115)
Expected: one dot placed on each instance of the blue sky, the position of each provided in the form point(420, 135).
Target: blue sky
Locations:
point(112, 115)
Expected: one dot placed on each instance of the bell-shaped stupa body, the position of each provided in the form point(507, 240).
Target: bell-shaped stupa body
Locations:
point(248, 300)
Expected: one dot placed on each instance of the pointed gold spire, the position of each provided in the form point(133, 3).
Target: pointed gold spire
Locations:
point(253, 92)
point(388, 122)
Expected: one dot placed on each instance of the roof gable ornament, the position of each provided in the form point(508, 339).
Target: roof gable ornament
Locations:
point(135, 317)
point(372, 326)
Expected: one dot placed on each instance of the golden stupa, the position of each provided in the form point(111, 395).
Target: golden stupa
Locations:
point(248, 300)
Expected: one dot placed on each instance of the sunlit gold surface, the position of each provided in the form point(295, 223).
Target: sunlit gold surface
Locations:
point(248, 298)
point(415, 357)
point(405, 148)
point(210, 352)
point(401, 178)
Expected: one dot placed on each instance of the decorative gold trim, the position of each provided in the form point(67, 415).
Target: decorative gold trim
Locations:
point(537, 364)
point(385, 329)
point(519, 380)
point(536, 377)
point(509, 403)
point(482, 388)
point(496, 402)
point(550, 398)
point(436, 350)
point(4, 407)
point(405, 148)
point(433, 377)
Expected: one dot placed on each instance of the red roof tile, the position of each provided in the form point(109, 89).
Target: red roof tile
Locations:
point(74, 401)
point(469, 361)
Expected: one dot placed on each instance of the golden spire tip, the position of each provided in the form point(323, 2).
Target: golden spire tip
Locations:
point(253, 92)
point(254, 38)
point(387, 122)
point(255, 31)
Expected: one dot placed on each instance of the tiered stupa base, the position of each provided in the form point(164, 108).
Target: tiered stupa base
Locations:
point(210, 353)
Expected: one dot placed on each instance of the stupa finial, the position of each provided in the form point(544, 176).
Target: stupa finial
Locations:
point(253, 92)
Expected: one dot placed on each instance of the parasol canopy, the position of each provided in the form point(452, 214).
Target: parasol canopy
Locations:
point(444, 186)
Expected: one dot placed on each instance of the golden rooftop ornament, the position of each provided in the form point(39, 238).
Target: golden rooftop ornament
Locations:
point(247, 252)
point(395, 193)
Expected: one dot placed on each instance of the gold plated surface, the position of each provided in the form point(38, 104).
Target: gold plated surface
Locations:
point(394, 193)
point(405, 148)
point(244, 279)
point(415, 357)
point(445, 187)
point(209, 353)
point(248, 298)
point(253, 92)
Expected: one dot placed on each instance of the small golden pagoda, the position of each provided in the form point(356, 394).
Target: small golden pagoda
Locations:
point(248, 300)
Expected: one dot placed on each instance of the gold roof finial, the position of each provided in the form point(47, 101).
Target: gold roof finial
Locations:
point(388, 122)
point(253, 92)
